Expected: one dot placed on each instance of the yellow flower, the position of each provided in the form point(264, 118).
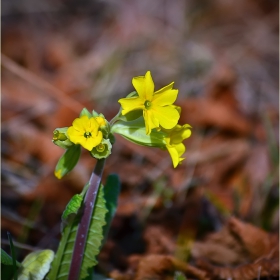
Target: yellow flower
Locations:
point(157, 106)
point(174, 143)
point(175, 151)
point(85, 132)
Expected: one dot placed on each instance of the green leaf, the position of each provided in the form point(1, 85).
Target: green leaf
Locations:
point(85, 112)
point(68, 161)
point(7, 269)
point(111, 194)
point(36, 265)
point(95, 234)
point(7, 272)
point(61, 264)
point(71, 209)
point(7, 259)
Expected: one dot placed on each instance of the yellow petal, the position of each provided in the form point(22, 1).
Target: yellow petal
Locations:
point(148, 122)
point(93, 126)
point(168, 116)
point(180, 148)
point(165, 98)
point(81, 123)
point(144, 86)
point(154, 119)
point(74, 134)
point(166, 88)
point(180, 133)
point(174, 155)
point(130, 104)
point(175, 152)
point(91, 142)
point(88, 144)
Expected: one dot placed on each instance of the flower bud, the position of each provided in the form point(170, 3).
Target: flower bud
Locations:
point(60, 138)
point(104, 125)
point(103, 150)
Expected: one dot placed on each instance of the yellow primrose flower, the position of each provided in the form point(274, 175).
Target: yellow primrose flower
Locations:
point(157, 106)
point(174, 143)
point(84, 131)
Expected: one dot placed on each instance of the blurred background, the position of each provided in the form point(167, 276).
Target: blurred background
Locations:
point(61, 56)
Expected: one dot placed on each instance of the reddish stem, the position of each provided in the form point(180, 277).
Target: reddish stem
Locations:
point(84, 224)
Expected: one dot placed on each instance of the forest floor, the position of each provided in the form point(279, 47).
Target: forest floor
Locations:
point(216, 216)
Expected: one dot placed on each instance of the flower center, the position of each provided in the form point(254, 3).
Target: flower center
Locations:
point(148, 104)
point(100, 148)
point(87, 134)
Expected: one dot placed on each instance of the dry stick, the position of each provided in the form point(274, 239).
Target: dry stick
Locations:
point(41, 84)
point(84, 224)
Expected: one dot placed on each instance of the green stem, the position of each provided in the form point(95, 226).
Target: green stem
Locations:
point(83, 228)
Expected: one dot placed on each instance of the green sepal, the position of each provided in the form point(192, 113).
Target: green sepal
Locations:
point(60, 138)
point(133, 115)
point(132, 94)
point(68, 161)
point(135, 132)
point(36, 265)
point(95, 114)
point(106, 145)
point(85, 112)
point(112, 138)
point(106, 128)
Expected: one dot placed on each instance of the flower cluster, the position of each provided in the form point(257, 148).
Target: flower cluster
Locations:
point(91, 131)
point(146, 117)
point(160, 118)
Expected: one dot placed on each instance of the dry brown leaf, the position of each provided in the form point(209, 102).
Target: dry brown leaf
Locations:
point(221, 248)
point(205, 113)
point(253, 244)
point(158, 241)
point(117, 275)
point(221, 85)
point(264, 267)
point(255, 240)
point(164, 267)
